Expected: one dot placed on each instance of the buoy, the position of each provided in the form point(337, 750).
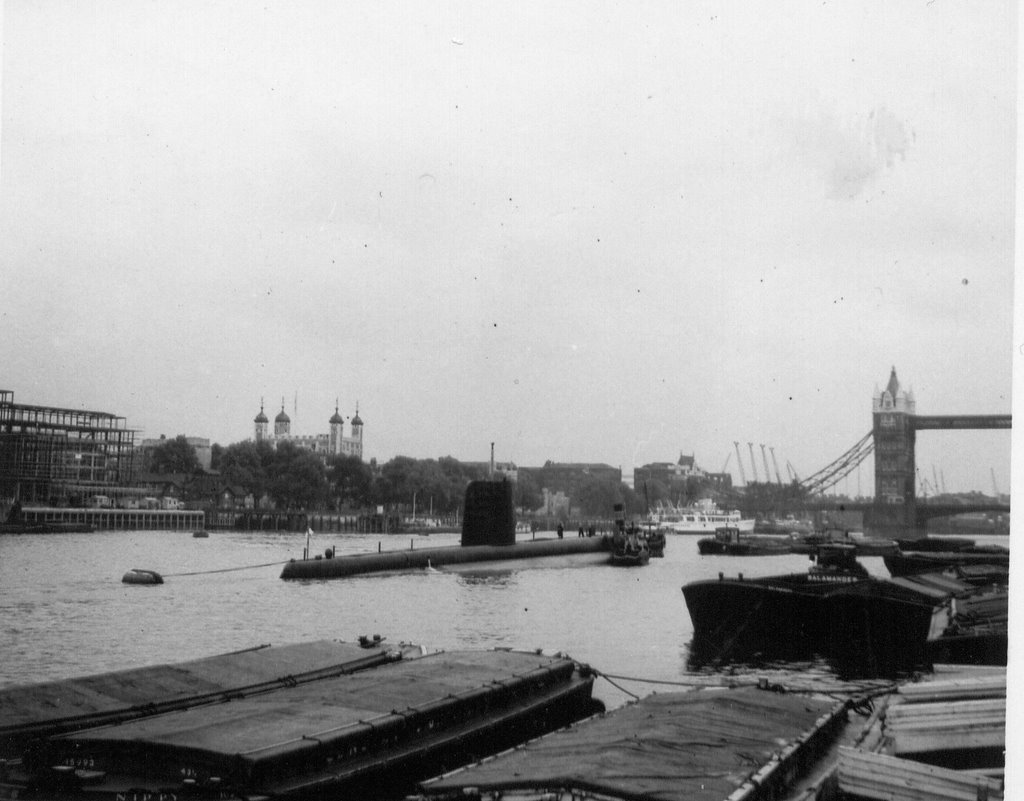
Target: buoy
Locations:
point(202, 534)
point(138, 576)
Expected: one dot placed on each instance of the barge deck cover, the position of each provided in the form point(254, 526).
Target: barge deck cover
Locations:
point(61, 706)
point(698, 746)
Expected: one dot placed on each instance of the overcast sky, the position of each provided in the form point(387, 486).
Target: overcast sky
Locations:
point(586, 232)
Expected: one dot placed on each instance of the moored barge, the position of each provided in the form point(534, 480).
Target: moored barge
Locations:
point(365, 734)
point(834, 609)
point(744, 745)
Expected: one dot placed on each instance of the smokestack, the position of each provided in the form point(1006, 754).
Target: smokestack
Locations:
point(490, 473)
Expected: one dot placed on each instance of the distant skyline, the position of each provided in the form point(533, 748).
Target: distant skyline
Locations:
point(584, 232)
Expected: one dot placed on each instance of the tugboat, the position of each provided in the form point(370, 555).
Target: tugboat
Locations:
point(629, 545)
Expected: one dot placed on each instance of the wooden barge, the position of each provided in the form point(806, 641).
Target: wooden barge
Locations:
point(370, 732)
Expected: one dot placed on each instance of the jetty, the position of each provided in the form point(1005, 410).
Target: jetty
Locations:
point(321, 718)
point(58, 520)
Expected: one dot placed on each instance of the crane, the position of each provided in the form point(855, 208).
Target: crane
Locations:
point(767, 472)
point(728, 456)
point(753, 462)
point(995, 487)
point(935, 480)
point(778, 476)
point(791, 469)
point(739, 462)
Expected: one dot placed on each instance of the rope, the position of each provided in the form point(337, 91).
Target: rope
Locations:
point(867, 689)
point(225, 569)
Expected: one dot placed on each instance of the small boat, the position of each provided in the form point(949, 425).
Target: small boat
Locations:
point(629, 548)
point(730, 541)
point(656, 542)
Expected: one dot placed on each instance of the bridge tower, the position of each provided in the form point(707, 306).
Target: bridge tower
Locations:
point(894, 432)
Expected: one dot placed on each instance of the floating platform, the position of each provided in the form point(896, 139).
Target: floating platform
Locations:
point(357, 733)
point(743, 745)
point(421, 558)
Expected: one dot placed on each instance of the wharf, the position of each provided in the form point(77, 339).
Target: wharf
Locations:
point(110, 519)
point(421, 558)
point(368, 733)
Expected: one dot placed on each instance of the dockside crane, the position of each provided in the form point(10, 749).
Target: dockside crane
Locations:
point(792, 470)
point(739, 461)
point(935, 480)
point(995, 487)
point(778, 476)
point(753, 462)
point(728, 456)
point(767, 472)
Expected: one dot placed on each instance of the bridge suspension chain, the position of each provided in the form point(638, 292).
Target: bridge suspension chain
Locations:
point(832, 474)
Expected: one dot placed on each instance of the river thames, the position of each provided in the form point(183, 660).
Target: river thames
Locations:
point(65, 612)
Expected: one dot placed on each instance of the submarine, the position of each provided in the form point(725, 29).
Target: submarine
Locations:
point(488, 535)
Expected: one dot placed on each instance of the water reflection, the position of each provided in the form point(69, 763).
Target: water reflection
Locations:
point(486, 578)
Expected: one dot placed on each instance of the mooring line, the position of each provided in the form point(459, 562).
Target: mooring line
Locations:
point(869, 689)
point(225, 569)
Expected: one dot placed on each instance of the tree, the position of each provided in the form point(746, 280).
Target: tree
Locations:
point(349, 480)
point(527, 495)
point(297, 478)
point(596, 497)
point(175, 456)
point(246, 464)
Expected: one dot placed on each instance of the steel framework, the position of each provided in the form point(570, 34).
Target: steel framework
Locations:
point(50, 454)
point(832, 474)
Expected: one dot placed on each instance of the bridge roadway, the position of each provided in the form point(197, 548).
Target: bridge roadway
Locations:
point(923, 512)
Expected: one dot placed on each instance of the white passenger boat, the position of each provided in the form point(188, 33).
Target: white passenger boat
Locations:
point(703, 517)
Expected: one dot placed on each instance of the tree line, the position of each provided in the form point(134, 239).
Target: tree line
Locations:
point(295, 478)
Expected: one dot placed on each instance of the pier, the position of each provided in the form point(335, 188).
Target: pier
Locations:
point(115, 519)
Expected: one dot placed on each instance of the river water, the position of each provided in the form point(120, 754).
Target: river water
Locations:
point(65, 612)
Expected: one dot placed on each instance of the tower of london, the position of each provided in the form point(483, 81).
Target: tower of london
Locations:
point(333, 443)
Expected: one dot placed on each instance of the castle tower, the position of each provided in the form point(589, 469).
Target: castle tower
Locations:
point(337, 423)
point(894, 434)
point(282, 423)
point(260, 422)
point(357, 434)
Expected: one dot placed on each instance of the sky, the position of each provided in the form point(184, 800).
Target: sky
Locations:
point(597, 232)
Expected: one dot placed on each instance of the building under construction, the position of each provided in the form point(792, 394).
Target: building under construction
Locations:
point(61, 457)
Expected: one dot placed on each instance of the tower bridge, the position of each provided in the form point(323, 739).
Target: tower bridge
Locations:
point(895, 424)
point(892, 439)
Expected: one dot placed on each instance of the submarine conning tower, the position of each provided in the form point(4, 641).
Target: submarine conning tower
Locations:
point(490, 517)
